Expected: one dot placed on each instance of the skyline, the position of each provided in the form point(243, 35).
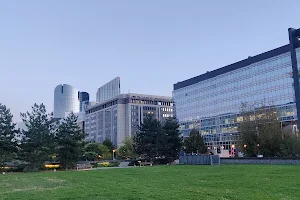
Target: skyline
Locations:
point(145, 43)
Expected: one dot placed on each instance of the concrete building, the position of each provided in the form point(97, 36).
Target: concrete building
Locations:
point(212, 102)
point(109, 90)
point(120, 116)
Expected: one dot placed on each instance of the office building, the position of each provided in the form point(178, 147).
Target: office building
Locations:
point(66, 100)
point(109, 90)
point(120, 116)
point(84, 99)
point(212, 102)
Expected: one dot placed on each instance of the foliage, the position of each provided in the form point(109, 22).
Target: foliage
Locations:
point(108, 164)
point(195, 143)
point(52, 166)
point(93, 147)
point(171, 141)
point(109, 144)
point(92, 151)
point(262, 133)
point(7, 133)
point(127, 150)
point(105, 152)
point(69, 139)
point(37, 143)
point(156, 141)
point(290, 146)
point(91, 155)
point(146, 140)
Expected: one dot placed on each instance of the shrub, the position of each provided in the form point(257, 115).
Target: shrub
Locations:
point(108, 164)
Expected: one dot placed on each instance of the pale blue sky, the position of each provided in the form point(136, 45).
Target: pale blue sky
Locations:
point(150, 44)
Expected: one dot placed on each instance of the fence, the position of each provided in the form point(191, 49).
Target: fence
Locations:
point(270, 161)
point(199, 159)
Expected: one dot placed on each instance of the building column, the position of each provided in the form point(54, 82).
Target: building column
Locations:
point(293, 37)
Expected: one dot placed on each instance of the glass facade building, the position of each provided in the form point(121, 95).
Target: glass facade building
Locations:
point(212, 101)
point(109, 90)
point(84, 98)
point(66, 100)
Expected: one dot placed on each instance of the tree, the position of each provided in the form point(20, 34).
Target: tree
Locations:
point(93, 150)
point(38, 140)
point(93, 147)
point(156, 141)
point(109, 144)
point(7, 133)
point(146, 143)
point(91, 156)
point(105, 152)
point(171, 142)
point(261, 131)
point(290, 146)
point(195, 143)
point(127, 150)
point(70, 142)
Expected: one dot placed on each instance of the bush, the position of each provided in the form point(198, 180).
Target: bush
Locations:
point(52, 166)
point(107, 164)
point(114, 164)
point(161, 161)
point(11, 169)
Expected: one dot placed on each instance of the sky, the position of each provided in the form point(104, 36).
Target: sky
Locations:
point(151, 45)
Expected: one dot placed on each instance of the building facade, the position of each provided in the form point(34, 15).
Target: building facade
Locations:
point(109, 90)
point(120, 116)
point(66, 100)
point(212, 102)
point(84, 99)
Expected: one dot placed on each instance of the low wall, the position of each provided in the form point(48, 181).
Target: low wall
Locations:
point(199, 159)
point(272, 161)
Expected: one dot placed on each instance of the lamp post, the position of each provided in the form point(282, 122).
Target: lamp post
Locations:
point(114, 154)
point(245, 146)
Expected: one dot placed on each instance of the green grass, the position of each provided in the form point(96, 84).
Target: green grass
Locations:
point(158, 182)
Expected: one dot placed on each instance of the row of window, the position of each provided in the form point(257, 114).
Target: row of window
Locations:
point(167, 115)
point(151, 102)
point(167, 109)
point(101, 107)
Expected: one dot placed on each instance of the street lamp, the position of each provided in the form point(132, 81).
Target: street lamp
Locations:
point(114, 154)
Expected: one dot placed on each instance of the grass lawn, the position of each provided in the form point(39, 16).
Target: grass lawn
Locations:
point(158, 182)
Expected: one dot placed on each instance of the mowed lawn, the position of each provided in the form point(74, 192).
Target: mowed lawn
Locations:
point(158, 182)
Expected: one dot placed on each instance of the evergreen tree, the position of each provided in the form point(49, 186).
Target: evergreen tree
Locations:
point(171, 141)
point(69, 140)
point(146, 142)
point(195, 143)
point(38, 142)
point(7, 133)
